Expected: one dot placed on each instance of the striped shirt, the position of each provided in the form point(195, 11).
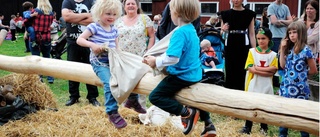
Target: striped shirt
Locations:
point(100, 36)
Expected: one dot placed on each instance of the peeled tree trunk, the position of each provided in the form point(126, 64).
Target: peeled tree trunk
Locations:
point(270, 109)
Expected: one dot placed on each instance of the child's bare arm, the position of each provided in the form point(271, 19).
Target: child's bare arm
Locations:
point(262, 72)
point(270, 69)
point(282, 57)
point(312, 66)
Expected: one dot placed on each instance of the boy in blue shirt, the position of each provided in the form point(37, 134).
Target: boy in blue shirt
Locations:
point(28, 16)
point(183, 66)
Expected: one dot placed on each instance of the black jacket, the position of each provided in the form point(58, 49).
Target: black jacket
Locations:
point(166, 24)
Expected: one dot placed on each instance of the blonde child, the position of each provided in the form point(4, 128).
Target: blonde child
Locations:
point(208, 55)
point(296, 59)
point(104, 13)
point(261, 65)
point(182, 61)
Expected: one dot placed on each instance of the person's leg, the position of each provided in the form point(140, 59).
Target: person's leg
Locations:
point(32, 33)
point(27, 44)
point(133, 102)
point(247, 127)
point(163, 97)
point(45, 50)
point(103, 72)
point(85, 58)
point(264, 129)
point(275, 48)
point(209, 129)
point(35, 50)
point(304, 134)
point(283, 132)
point(13, 33)
point(73, 54)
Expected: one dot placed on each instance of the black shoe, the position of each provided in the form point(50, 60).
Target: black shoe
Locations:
point(190, 121)
point(245, 130)
point(72, 101)
point(94, 102)
point(209, 131)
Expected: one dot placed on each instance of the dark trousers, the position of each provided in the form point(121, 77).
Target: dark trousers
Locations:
point(13, 34)
point(77, 53)
point(27, 43)
point(249, 125)
point(163, 96)
point(275, 48)
point(283, 132)
point(44, 48)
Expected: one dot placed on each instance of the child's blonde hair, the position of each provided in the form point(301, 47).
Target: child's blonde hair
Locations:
point(301, 29)
point(45, 6)
point(187, 10)
point(100, 6)
point(205, 43)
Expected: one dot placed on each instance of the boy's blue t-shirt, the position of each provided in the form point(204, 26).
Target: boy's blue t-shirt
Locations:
point(27, 18)
point(184, 44)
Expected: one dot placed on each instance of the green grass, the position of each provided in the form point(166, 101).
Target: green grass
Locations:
point(60, 86)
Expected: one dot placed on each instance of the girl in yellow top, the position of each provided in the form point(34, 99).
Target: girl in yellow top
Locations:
point(261, 65)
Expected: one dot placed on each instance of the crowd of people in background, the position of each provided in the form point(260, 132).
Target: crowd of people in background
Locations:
point(262, 52)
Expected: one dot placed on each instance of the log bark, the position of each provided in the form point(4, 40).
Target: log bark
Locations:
point(270, 109)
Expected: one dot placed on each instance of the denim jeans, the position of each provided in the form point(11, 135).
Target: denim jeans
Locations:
point(32, 33)
point(283, 132)
point(44, 48)
point(103, 72)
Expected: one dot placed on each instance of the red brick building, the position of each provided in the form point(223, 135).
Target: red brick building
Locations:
point(211, 7)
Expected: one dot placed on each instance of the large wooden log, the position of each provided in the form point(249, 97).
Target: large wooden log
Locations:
point(292, 113)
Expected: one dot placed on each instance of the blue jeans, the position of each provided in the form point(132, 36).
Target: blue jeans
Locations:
point(45, 49)
point(283, 132)
point(32, 33)
point(103, 72)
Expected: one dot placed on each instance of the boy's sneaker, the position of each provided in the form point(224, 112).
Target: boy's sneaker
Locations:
point(117, 120)
point(134, 103)
point(245, 130)
point(190, 121)
point(264, 131)
point(209, 131)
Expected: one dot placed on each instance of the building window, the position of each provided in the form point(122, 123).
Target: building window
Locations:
point(258, 7)
point(209, 8)
point(146, 7)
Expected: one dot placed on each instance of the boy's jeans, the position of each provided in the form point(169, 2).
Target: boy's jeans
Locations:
point(103, 72)
point(32, 33)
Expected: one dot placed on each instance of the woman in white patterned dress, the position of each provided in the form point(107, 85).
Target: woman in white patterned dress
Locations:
point(136, 35)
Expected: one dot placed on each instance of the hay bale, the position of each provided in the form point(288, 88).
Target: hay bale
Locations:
point(31, 89)
point(89, 121)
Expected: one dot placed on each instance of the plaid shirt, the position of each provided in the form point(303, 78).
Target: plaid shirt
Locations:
point(42, 25)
